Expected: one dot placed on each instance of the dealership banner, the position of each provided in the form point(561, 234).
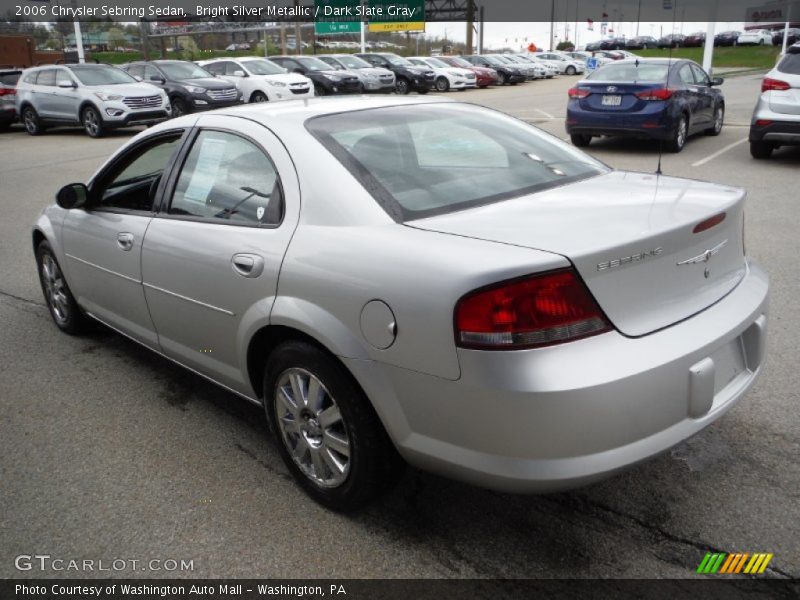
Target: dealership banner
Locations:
point(392, 15)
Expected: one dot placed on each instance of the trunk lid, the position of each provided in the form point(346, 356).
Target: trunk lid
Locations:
point(603, 96)
point(626, 234)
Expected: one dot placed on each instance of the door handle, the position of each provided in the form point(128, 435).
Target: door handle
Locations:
point(247, 265)
point(125, 241)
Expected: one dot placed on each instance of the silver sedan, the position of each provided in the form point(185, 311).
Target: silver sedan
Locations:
point(417, 281)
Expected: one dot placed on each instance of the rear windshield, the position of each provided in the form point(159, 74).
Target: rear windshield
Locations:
point(101, 75)
point(425, 160)
point(790, 64)
point(630, 72)
point(10, 78)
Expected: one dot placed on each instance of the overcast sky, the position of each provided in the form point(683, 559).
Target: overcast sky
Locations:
point(514, 35)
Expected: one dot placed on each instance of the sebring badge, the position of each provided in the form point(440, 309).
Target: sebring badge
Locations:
point(705, 256)
point(633, 258)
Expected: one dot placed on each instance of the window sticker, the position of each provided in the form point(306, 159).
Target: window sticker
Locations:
point(205, 171)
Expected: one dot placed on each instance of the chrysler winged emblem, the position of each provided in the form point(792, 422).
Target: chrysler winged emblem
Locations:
point(705, 256)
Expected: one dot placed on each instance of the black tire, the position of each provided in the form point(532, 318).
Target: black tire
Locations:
point(92, 122)
point(760, 42)
point(502, 79)
point(580, 140)
point(258, 97)
point(373, 463)
point(402, 86)
point(442, 85)
point(681, 133)
point(761, 150)
point(571, 70)
point(66, 313)
point(719, 119)
point(31, 121)
point(179, 108)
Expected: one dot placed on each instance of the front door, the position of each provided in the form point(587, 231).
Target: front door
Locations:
point(213, 252)
point(103, 242)
point(66, 100)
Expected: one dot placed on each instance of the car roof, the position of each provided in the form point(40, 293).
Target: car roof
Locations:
point(291, 114)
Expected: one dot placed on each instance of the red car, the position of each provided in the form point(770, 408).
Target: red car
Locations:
point(483, 75)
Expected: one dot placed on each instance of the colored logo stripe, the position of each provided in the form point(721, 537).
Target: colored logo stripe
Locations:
point(739, 562)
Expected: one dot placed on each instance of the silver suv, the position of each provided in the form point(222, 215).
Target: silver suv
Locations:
point(98, 97)
point(776, 118)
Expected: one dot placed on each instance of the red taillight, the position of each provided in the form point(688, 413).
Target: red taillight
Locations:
point(7, 92)
point(763, 122)
point(709, 223)
point(656, 94)
point(535, 311)
point(774, 84)
point(578, 93)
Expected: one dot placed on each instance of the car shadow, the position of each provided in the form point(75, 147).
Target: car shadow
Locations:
point(470, 531)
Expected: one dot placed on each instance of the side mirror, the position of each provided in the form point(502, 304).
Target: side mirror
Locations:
point(66, 83)
point(717, 81)
point(157, 78)
point(239, 74)
point(74, 195)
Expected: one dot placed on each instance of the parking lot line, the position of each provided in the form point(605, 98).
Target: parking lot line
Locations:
point(711, 157)
point(546, 114)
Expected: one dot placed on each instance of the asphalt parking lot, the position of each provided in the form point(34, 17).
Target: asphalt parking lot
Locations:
point(107, 451)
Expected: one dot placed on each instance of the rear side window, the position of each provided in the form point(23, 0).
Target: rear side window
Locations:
point(46, 77)
point(790, 64)
point(631, 72)
point(9, 78)
point(439, 159)
point(228, 179)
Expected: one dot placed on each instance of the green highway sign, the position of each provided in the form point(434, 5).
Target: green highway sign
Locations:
point(332, 17)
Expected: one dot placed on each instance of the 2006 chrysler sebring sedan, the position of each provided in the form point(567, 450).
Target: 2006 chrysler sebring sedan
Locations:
point(421, 280)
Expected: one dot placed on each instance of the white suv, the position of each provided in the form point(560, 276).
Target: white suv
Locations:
point(98, 97)
point(776, 118)
point(259, 79)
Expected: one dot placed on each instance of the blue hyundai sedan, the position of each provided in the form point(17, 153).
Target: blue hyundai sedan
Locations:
point(652, 98)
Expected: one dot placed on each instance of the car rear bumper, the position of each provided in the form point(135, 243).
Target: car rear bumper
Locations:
point(558, 417)
point(651, 124)
point(778, 132)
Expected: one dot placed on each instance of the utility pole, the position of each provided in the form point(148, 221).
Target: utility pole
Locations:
point(78, 36)
point(470, 20)
point(552, 21)
point(480, 36)
point(638, 17)
point(298, 39)
point(363, 32)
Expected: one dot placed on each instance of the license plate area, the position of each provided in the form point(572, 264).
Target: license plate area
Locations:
point(612, 100)
point(729, 363)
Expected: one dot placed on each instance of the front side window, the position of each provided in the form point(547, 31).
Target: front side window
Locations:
point(134, 180)
point(217, 68)
point(228, 179)
point(700, 76)
point(152, 74)
point(136, 71)
point(440, 159)
point(46, 77)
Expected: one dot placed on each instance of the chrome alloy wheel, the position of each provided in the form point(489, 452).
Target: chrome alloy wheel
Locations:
point(55, 289)
point(91, 122)
point(719, 115)
point(311, 428)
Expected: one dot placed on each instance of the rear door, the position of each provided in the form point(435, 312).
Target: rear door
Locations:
point(787, 101)
point(212, 255)
point(66, 100)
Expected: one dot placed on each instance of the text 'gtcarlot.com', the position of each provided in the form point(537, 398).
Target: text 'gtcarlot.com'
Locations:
point(46, 562)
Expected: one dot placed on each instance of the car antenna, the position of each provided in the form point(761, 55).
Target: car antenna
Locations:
point(669, 66)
